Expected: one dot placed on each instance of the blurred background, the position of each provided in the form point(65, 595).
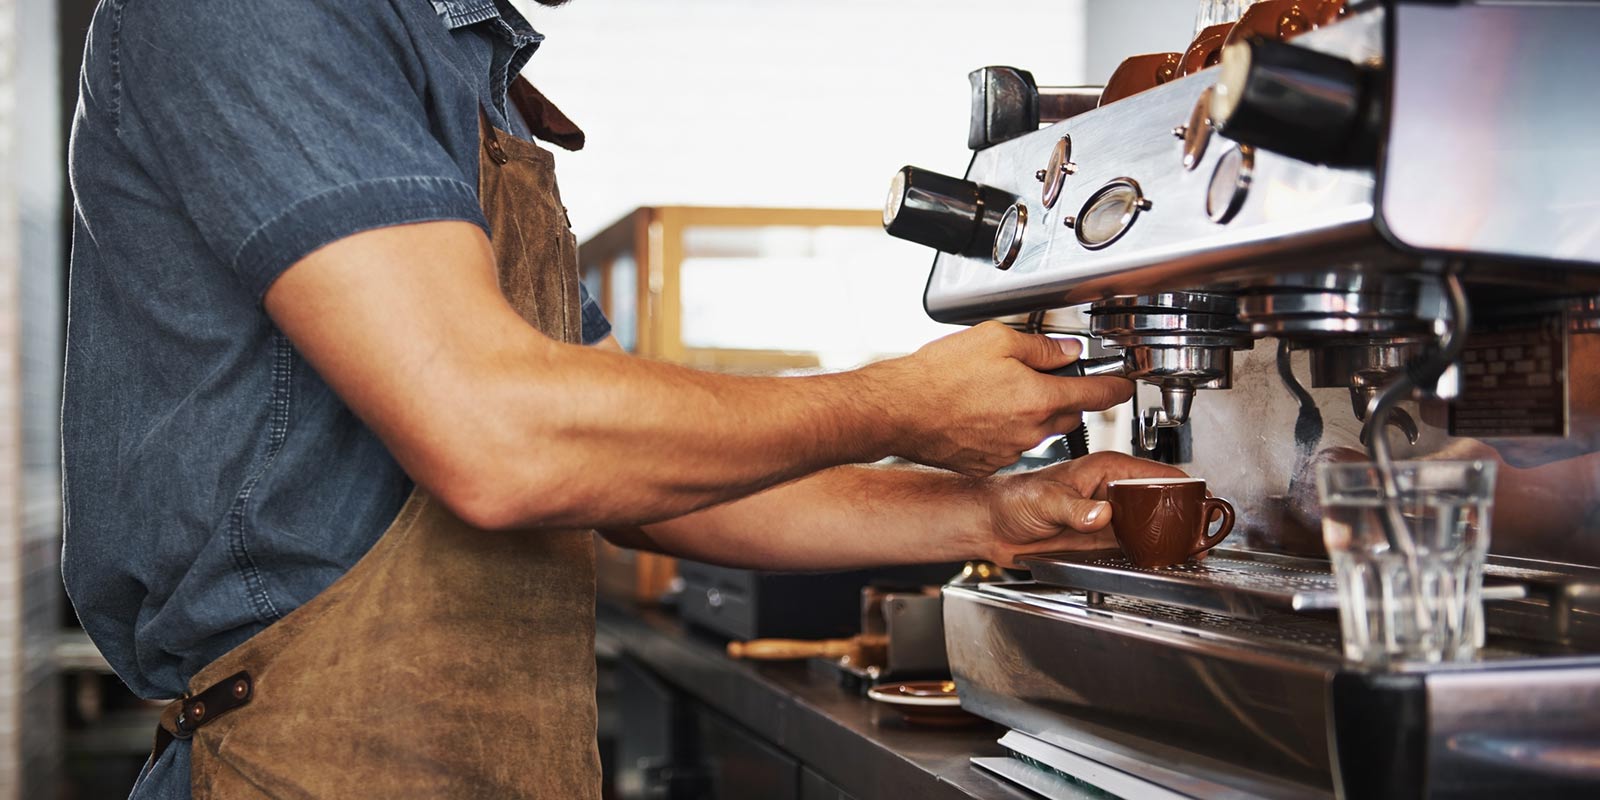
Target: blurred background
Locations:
point(738, 152)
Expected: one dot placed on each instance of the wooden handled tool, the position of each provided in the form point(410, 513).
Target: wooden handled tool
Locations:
point(791, 649)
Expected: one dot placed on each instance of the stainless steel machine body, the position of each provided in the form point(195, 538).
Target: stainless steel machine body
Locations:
point(1281, 231)
point(1209, 705)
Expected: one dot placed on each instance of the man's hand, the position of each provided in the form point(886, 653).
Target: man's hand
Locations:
point(1061, 508)
point(976, 400)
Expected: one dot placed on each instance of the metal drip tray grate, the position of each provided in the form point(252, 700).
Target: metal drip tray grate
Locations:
point(1313, 633)
point(1236, 583)
point(1308, 635)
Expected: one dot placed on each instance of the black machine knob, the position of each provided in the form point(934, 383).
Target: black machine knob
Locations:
point(949, 214)
point(1292, 101)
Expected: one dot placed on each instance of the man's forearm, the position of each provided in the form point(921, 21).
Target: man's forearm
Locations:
point(848, 517)
point(867, 516)
point(512, 430)
point(671, 440)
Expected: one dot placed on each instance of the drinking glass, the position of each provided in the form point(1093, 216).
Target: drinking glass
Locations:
point(1410, 567)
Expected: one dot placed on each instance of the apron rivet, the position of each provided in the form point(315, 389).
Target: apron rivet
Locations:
point(197, 711)
point(240, 689)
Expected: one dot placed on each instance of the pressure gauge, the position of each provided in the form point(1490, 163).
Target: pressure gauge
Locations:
point(1230, 183)
point(1054, 175)
point(1197, 133)
point(1008, 237)
point(1108, 213)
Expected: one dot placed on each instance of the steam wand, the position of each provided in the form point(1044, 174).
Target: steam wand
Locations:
point(1424, 373)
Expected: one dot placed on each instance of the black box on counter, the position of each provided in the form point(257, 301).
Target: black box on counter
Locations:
point(753, 604)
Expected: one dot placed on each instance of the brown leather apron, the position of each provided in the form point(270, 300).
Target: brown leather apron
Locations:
point(448, 662)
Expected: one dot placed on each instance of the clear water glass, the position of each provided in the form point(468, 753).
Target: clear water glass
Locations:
point(1416, 595)
point(1216, 12)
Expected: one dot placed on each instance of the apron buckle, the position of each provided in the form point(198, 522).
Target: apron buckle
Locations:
point(190, 713)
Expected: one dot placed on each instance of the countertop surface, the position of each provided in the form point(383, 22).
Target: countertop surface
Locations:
point(858, 744)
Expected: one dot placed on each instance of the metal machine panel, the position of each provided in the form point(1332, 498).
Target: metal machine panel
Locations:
point(1515, 732)
point(1175, 709)
point(1515, 176)
point(1291, 209)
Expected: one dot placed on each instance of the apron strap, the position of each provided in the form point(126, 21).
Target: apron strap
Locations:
point(182, 717)
point(491, 138)
point(546, 121)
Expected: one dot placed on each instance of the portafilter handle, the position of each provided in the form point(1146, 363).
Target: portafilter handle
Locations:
point(1115, 366)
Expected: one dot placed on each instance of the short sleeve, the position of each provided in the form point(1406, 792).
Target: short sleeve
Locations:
point(283, 126)
point(595, 325)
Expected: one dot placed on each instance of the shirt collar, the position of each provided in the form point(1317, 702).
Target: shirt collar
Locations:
point(461, 13)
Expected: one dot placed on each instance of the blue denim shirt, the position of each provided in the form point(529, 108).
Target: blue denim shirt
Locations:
point(213, 481)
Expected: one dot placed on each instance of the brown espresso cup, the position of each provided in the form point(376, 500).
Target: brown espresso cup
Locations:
point(1160, 522)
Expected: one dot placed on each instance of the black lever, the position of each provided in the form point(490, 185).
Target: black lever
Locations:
point(1076, 442)
point(1115, 366)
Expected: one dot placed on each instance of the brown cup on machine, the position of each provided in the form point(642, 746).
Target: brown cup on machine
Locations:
point(1160, 522)
point(1138, 73)
point(1275, 19)
point(1205, 50)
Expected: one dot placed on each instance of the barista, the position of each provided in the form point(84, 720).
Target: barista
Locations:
point(339, 415)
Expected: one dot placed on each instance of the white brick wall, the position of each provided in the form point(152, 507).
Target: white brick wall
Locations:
point(770, 103)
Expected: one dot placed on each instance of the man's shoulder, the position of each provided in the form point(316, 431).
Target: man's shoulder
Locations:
point(220, 31)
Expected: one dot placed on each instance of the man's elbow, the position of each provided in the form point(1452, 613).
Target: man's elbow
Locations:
point(495, 501)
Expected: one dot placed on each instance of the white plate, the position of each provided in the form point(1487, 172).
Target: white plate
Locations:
point(890, 693)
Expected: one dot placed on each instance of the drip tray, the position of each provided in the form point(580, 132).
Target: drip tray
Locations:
point(1237, 583)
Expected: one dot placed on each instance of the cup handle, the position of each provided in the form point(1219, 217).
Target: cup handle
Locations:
point(1207, 511)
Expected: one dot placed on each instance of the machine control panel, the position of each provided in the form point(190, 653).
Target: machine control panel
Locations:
point(1103, 200)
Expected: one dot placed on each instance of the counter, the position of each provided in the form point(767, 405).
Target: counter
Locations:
point(843, 746)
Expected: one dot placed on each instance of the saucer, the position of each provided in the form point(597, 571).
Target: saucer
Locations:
point(924, 702)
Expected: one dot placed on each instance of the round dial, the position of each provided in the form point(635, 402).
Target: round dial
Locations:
point(1197, 134)
point(1230, 183)
point(1109, 213)
point(1008, 237)
point(1057, 170)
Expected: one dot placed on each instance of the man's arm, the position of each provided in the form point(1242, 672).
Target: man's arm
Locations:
point(513, 430)
point(860, 516)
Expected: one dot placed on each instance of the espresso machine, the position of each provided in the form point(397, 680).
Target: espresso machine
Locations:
point(1328, 227)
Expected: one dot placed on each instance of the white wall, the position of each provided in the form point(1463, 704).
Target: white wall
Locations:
point(1121, 28)
point(773, 103)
